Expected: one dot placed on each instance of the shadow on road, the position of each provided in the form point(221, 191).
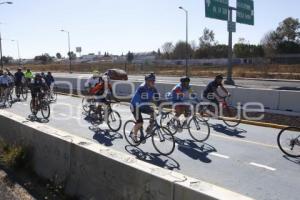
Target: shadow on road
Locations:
point(233, 132)
point(34, 118)
point(195, 150)
point(294, 160)
point(105, 137)
point(155, 159)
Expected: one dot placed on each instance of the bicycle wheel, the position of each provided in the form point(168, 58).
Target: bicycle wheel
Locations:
point(34, 112)
point(231, 116)
point(24, 93)
point(198, 129)
point(114, 121)
point(8, 101)
point(127, 129)
point(168, 121)
point(206, 112)
point(95, 116)
point(163, 141)
point(86, 102)
point(53, 96)
point(288, 141)
point(45, 109)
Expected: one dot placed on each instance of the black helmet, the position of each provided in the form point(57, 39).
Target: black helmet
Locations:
point(150, 77)
point(185, 79)
point(219, 76)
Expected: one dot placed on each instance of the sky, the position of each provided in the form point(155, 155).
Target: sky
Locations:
point(119, 26)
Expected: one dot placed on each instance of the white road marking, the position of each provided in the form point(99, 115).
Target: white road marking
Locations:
point(62, 114)
point(262, 166)
point(219, 155)
point(77, 118)
point(25, 104)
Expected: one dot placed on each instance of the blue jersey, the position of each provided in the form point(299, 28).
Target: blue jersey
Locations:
point(180, 94)
point(143, 94)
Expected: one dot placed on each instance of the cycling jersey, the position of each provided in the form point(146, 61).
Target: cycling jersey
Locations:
point(5, 80)
point(180, 94)
point(211, 88)
point(49, 80)
point(143, 94)
point(91, 82)
point(19, 77)
point(37, 86)
point(28, 75)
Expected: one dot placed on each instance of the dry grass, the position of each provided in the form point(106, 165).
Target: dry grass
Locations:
point(247, 71)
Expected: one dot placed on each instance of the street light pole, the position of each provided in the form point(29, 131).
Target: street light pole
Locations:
point(1, 56)
point(186, 41)
point(69, 46)
point(17, 41)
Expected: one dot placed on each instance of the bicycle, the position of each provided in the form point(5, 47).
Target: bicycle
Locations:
point(86, 102)
point(162, 139)
point(6, 97)
point(42, 105)
point(22, 91)
point(288, 141)
point(229, 114)
point(198, 128)
point(51, 95)
point(99, 114)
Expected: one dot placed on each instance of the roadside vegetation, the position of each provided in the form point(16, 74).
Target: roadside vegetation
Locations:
point(16, 161)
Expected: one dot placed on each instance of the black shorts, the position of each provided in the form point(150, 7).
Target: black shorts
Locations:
point(137, 112)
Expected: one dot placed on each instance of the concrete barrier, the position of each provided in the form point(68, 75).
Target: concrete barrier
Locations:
point(271, 99)
point(289, 101)
point(92, 171)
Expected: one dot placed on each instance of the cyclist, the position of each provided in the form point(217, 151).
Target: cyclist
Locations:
point(19, 79)
point(28, 76)
point(211, 93)
point(38, 87)
point(181, 94)
point(49, 79)
point(5, 83)
point(92, 81)
point(145, 93)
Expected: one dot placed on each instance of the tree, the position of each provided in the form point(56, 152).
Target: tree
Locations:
point(288, 29)
point(167, 48)
point(58, 55)
point(207, 39)
point(284, 40)
point(248, 50)
point(44, 58)
point(180, 50)
point(72, 55)
point(130, 57)
point(7, 59)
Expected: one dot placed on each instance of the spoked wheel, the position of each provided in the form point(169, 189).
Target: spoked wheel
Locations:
point(231, 116)
point(86, 102)
point(288, 141)
point(163, 141)
point(94, 116)
point(45, 109)
point(114, 121)
point(24, 93)
point(199, 130)
point(34, 112)
point(168, 121)
point(128, 134)
point(8, 101)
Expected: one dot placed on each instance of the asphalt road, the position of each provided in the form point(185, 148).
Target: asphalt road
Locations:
point(244, 159)
point(242, 83)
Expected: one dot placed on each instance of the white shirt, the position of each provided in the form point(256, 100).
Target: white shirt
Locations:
point(5, 80)
point(91, 82)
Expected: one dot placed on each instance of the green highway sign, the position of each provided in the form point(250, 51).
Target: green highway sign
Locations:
point(245, 12)
point(217, 9)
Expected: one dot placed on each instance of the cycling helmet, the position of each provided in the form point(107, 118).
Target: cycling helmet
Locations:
point(219, 76)
point(185, 79)
point(150, 77)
